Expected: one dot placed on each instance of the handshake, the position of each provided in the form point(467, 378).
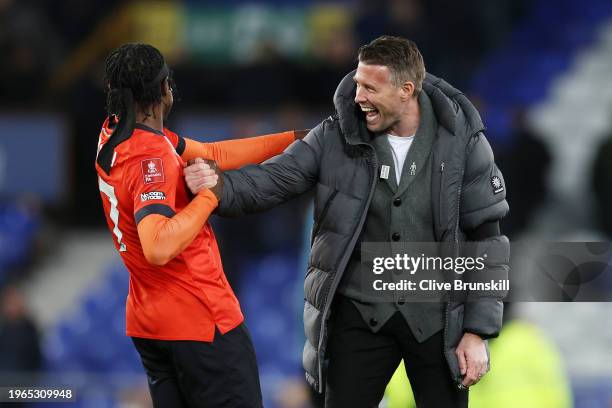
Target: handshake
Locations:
point(200, 174)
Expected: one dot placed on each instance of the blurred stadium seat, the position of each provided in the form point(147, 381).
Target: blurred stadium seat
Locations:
point(91, 343)
point(18, 228)
point(538, 50)
point(267, 295)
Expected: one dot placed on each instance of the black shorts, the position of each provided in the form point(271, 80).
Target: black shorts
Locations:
point(197, 374)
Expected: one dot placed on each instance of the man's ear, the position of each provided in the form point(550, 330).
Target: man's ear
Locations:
point(407, 90)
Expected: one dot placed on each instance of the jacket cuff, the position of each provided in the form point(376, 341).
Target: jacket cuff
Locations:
point(483, 317)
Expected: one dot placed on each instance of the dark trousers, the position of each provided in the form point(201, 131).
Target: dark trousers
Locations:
point(361, 363)
point(196, 374)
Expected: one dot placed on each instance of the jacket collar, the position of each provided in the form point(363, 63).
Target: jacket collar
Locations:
point(448, 104)
point(417, 155)
point(421, 146)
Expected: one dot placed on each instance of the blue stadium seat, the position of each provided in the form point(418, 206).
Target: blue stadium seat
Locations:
point(273, 312)
point(92, 341)
point(18, 226)
point(539, 49)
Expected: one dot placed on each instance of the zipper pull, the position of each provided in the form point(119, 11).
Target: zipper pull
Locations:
point(442, 167)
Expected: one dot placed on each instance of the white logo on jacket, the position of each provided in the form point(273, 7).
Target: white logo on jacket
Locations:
point(497, 185)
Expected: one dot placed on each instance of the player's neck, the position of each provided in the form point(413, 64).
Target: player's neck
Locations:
point(153, 119)
point(153, 123)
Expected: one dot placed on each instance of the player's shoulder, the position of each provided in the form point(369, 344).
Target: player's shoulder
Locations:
point(142, 139)
point(170, 134)
point(145, 143)
point(139, 147)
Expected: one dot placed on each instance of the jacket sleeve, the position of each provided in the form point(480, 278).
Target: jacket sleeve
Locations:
point(484, 200)
point(484, 191)
point(483, 313)
point(257, 188)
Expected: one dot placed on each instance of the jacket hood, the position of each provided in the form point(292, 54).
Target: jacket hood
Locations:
point(448, 102)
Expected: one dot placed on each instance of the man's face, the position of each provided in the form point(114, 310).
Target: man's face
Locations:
point(378, 97)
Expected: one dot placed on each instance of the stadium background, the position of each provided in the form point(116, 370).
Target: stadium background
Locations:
point(539, 71)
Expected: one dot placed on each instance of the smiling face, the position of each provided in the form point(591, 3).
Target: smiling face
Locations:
point(379, 98)
point(389, 78)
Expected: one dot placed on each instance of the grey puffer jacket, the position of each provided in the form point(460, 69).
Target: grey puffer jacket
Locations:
point(337, 159)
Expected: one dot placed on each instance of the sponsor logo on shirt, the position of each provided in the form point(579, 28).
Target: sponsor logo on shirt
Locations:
point(152, 171)
point(152, 195)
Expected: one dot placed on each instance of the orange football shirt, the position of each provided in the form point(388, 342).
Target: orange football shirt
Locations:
point(190, 295)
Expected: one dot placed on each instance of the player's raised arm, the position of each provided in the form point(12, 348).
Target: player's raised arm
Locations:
point(164, 230)
point(233, 154)
point(162, 238)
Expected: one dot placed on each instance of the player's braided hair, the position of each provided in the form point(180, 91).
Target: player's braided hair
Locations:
point(133, 75)
point(136, 67)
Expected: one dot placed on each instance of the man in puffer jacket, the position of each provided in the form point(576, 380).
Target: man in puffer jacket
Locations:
point(404, 159)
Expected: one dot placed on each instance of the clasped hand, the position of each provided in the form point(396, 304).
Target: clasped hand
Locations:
point(200, 174)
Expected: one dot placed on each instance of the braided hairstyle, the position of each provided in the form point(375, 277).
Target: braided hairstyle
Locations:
point(134, 66)
point(133, 75)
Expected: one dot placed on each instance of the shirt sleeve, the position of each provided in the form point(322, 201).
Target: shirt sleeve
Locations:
point(177, 141)
point(151, 178)
point(233, 154)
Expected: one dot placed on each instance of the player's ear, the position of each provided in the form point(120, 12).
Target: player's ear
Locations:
point(165, 87)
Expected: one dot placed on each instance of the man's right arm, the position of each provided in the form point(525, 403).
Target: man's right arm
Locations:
point(257, 188)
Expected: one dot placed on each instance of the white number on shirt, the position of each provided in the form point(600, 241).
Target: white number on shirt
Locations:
point(109, 191)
